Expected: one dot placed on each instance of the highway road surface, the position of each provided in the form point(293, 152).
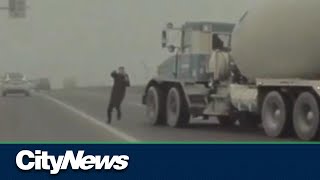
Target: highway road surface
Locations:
point(79, 115)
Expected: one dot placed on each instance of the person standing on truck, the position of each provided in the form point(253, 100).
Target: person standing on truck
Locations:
point(217, 46)
point(121, 82)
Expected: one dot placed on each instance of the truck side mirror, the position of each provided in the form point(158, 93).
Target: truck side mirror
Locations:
point(164, 39)
point(169, 26)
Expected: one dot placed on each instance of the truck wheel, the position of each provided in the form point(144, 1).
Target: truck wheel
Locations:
point(306, 117)
point(177, 111)
point(155, 106)
point(276, 114)
point(226, 121)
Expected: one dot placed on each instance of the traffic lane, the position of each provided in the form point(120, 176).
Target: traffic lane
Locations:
point(135, 124)
point(37, 119)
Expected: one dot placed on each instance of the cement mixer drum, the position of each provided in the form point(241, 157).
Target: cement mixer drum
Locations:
point(279, 39)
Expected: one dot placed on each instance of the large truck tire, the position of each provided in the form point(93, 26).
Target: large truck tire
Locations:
point(155, 106)
point(177, 111)
point(276, 114)
point(306, 117)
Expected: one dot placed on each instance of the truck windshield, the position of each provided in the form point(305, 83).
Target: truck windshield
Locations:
point(221, 40)
point(15, 76)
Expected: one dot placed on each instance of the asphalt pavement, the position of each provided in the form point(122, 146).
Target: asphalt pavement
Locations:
point(30, 119)
point(79, 115)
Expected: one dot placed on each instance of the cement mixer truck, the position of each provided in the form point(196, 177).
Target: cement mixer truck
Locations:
point(263, 70)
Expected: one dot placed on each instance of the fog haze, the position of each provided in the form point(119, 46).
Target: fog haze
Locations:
point(88, 39)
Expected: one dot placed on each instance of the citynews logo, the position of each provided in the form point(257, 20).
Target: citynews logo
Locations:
point(40, 160)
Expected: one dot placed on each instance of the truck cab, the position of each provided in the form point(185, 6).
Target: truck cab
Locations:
point(190, 56)
point(182, 88)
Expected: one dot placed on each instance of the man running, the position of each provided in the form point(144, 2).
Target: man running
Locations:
point(121, 82)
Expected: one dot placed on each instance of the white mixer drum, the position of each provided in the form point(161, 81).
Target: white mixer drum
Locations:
point(279, 39)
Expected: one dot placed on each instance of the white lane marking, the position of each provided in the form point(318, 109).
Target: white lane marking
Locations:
point(108, 128)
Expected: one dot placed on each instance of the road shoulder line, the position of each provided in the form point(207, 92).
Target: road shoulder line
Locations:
point(82, 114)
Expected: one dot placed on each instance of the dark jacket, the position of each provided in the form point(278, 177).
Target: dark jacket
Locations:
point(121, 82)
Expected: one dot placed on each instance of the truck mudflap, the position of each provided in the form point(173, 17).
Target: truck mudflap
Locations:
point(244, 97)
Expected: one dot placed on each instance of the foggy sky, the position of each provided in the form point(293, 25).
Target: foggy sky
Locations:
point(89, 38)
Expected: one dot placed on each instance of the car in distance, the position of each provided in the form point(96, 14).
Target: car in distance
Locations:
point(43, 84)
point(15, 83)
